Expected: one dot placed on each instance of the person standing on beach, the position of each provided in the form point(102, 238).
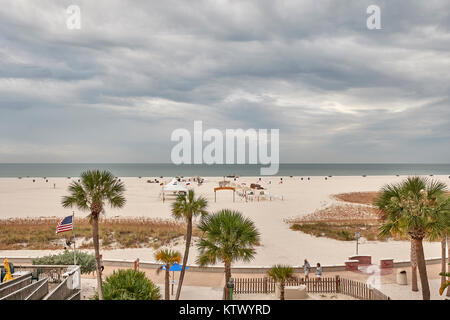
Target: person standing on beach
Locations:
point(318, 272)
point(306, 269)
point(102, 267)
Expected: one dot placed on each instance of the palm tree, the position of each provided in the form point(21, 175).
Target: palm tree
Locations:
point(410, 208)
point(186, 207)
point(442, 214)
point(390, 193)
point(448, 260)
point(96, 189)
point(281, 274)
point(445, 284)
point(169, 257)
point(227, 237)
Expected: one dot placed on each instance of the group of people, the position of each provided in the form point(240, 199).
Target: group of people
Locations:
point(307, 269)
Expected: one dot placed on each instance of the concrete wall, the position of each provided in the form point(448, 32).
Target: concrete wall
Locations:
point(24, 292)
point(40, 292)
point(10, 286)
point(70, 285)
point(61, 292)
point(244, 269)
point(75, 296)
point(236, 269)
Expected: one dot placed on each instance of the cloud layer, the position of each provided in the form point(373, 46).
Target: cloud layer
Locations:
point(116, 89)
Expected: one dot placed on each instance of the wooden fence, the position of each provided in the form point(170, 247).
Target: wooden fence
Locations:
point(355, 289)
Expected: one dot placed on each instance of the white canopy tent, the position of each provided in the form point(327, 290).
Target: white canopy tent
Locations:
point(173, 188)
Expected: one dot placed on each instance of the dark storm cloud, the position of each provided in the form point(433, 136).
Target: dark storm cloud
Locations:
point(116, 89)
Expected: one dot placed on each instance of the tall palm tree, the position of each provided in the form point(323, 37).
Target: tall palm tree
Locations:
point(281, 274)
point(227, 237)
point(448, 260)
point(384, 202)
point(186, 207)
point(410, 208)
point(169, 257)
point(96, 190)
point(446, 284)
point(442, 214)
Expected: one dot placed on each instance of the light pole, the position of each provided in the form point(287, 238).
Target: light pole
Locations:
point(357, 236)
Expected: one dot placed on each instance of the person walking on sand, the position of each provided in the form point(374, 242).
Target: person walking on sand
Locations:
point(306, 269)
point(318, 272)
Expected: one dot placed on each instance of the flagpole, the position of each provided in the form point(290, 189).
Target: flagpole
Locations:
point(73, 230)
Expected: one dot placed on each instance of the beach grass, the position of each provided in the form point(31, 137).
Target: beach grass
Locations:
point(39, 233)
point(340, 222)
point(340, 231)
point(358, 197)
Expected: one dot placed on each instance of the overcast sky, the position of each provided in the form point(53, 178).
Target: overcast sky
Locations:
point(114, 90)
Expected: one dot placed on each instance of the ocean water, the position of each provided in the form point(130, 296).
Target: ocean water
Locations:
point(170, 170)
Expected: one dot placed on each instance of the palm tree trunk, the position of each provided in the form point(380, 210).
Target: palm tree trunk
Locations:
point(448, 260)
point(167, 278)
point(414, 286)
point(227, 279)
point(185, 257)
point(422, 269)
point(443, 258)
point(281, 291)
point(97, 255)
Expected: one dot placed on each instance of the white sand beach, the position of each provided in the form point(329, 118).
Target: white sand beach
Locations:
point(21, 198)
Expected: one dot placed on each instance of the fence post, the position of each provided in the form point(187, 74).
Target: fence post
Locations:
point(338, 284)
point(265, 284)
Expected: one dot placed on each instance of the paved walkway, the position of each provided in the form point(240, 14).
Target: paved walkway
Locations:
point(208, 285)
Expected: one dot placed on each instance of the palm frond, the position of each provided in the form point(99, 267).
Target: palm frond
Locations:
point(228, 236)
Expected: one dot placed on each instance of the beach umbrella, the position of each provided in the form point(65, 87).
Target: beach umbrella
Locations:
point(174, 267)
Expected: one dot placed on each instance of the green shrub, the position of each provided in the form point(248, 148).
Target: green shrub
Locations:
point(129, 285)
point(84, 260)
point(346, 235)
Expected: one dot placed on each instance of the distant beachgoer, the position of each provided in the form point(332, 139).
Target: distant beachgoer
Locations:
point(306, 269)
point(319, 272)
point(102, 267)
point(54, 186)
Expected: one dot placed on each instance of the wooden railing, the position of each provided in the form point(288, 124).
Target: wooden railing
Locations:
point(355, 289)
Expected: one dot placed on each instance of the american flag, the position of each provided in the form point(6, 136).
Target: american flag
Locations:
point(65, 224)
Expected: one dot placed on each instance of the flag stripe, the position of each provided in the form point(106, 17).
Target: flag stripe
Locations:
point(66, 224)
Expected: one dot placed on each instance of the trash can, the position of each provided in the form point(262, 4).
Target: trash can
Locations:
point(401, 278)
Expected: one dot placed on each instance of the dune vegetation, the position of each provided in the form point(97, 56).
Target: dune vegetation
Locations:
point(39, 233)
